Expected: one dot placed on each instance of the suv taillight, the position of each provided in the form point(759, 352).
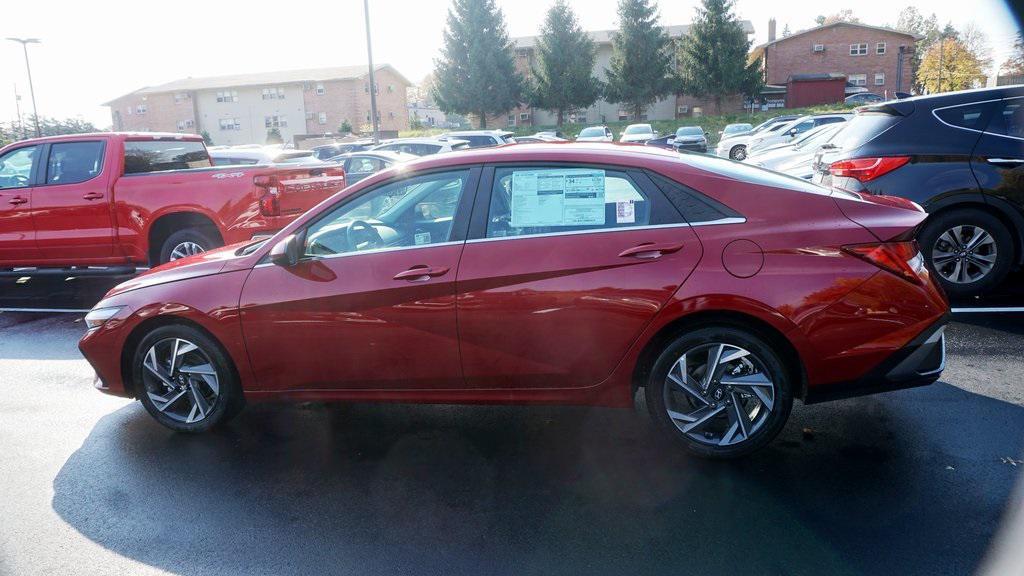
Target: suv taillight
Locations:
point(901, 258)
point(866, 169)
point(268, 195)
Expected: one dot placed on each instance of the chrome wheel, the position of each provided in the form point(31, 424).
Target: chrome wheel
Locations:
point(187, 248)
point(738, 153)
point(180, 380)
point(964, 254)
point(719, 394)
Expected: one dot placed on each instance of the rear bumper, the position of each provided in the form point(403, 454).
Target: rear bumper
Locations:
point(918, 363)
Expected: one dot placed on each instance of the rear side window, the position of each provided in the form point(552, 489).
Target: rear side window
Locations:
point(478, 141)
point(862, 128)
point(158, 155)
point(694, 206)
point(526, 201)
point(970, 116)
point(1008, 119)
point(72, 162)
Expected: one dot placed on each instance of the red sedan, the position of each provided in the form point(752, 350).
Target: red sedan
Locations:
point(562, 273)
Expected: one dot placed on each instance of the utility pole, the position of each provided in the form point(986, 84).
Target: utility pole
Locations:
point(31, 90)
point(17, 109)
point(942, 45)
point(373, 85)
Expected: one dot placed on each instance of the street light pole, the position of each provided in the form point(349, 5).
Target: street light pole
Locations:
point(31, 90)
point(17, 109)
point(373, 86)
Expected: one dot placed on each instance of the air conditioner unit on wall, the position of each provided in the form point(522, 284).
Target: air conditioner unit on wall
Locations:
point(819, 47)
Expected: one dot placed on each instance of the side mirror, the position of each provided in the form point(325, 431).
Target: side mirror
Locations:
point(706, 133)
point(287, 251)
point(792, 132)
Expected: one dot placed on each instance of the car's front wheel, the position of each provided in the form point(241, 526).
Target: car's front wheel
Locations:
point(721, 391)
point(738, 152)
point(970, 250)
point(185, 380)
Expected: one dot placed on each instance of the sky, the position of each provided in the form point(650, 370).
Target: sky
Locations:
point(95, 51)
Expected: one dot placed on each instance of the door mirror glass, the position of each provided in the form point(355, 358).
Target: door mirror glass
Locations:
point(286, 252)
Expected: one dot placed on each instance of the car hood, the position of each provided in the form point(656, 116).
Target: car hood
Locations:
point(637, 137)
point(204, 264)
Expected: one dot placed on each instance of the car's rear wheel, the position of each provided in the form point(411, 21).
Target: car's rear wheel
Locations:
point(720, 390)
point(185, 380)
point(738, 152)
point(970, 250)
point(184, 243)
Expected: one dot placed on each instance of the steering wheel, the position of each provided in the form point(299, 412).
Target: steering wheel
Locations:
point(359, 228)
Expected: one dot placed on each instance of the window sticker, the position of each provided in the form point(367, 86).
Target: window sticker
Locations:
point(421, 238)
point(566, 197)
point(625, 212)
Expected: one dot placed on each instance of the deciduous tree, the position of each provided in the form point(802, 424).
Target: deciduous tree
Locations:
point(950, 65)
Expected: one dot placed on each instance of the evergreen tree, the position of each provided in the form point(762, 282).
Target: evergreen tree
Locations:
point(641, 71)
point(207, 138)
point(713, 57)
point(476, 73)
point(565, 54)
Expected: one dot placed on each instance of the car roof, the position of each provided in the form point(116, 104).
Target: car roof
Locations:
point(416, 140)
point(388, 155)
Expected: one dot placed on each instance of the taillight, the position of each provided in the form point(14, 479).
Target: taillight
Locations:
point(866, 169)
point(268, 195)
point(901, 258)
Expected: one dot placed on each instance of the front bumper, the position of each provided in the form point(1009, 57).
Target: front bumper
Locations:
point(920, 362)
point(702, 148)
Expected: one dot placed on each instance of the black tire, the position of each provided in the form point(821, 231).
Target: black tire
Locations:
point(229, 401)
point(197, 236)
point(767, 426)
point(931, 240)
point(738, 152)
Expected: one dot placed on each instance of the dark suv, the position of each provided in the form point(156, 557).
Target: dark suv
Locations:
point(960, 156)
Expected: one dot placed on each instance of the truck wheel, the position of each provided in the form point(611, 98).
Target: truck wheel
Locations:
point(186, 243)
point(970, 250)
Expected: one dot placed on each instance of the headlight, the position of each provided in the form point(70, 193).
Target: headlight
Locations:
point(98, 316)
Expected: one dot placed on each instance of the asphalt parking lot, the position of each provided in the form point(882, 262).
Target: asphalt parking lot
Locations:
point(909, 482)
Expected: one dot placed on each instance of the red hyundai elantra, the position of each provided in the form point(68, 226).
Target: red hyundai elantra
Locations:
point(568, 274)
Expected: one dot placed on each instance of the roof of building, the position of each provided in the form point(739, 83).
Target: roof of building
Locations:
point(817, 76)
point(605, 36)
point(261, 79)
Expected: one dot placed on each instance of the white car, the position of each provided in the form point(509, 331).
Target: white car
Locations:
point(638, 133)
point(481, 138)
point(735, 147)
point(803, 148)
point(595, 134)
point(422, 146)
point(793, 129)
point(249, 154)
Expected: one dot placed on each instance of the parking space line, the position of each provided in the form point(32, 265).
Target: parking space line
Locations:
point(983, 310)
point(47, 310)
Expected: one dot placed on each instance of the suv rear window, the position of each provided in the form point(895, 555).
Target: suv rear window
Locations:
point(141, 156)
point(862, 128)
point(970, 116)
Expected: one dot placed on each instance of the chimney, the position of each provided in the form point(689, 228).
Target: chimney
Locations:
point(771, 30)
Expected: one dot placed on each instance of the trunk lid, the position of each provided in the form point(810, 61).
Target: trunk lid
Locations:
point(888, 218)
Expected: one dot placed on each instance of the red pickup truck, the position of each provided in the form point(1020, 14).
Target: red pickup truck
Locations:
point(123, 200)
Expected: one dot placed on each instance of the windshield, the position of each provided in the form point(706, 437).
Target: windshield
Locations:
point(592, 132)
point(863, 127)
point(733, 128)
point(638, 129)
point(690, 131)
point(817, 135)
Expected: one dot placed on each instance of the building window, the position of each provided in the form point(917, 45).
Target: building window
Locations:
point(275, 121)
point(512, 120)
point(309, 115)
point(880, 48)
point(185, 124)
point(322, 118)
point(524, 116)
point(879, 78)
point(227, 96)
point(273, 93)
point(858, 79)
point(366, 88)
point(320, 90)
point(858, 49)
point(140, 109)
point(180, 97)
point(230, 124)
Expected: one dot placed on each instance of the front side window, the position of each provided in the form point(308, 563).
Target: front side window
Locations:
point(72, 162)
point(157, 155)
point(16, 167)
point(412, 212)
point(528, 201)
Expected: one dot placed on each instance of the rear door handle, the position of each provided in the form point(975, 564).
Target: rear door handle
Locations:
point(651, 250)
point(421, 273)
point(17, 200)
point(92, 195)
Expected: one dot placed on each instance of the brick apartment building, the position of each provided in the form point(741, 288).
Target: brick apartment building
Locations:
point(678, 106)
point(872, 57)
point(241, 109)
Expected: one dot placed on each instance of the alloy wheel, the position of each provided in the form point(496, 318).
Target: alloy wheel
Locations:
point(187, 248)
point(738, 153)
point(719, 394)
point(180, 380)
point(964, 254)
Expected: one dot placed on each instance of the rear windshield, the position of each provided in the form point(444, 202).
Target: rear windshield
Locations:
point(690, 131)
point(639, 129)
point(862, 128)
point(592, 132)
point(159, 155)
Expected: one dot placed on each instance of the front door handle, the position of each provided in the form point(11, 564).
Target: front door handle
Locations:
point(421, 273)
point(92, 195)
point(17, 200)
point(651, 250)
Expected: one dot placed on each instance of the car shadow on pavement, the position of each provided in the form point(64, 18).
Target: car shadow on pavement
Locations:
point(905, 483)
